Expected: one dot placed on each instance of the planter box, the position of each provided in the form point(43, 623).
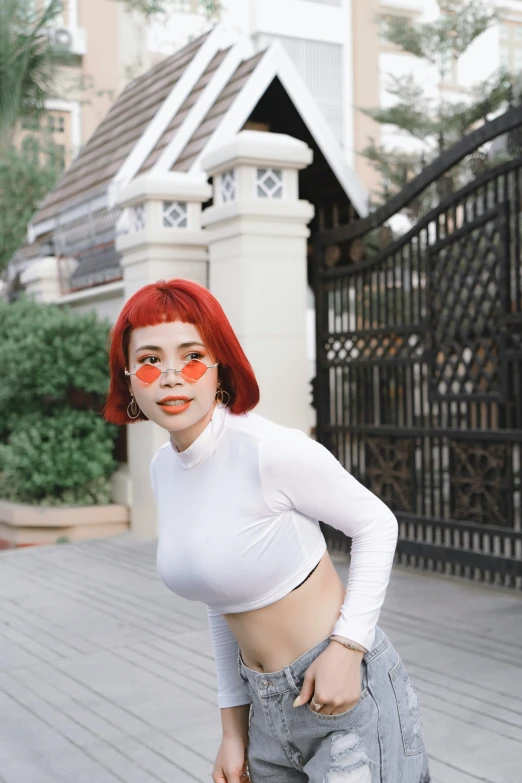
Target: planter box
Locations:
point(25, 525)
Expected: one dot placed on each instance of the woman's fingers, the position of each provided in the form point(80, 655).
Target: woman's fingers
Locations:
point(236, 776)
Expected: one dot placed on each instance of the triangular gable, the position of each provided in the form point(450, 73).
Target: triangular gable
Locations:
point(217, 115)
point(170, 117)
point(271, 64)
point(137, 118)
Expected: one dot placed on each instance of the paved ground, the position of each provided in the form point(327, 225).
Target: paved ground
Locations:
point(107, 677)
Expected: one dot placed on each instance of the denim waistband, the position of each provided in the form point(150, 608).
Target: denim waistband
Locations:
point(270, 683)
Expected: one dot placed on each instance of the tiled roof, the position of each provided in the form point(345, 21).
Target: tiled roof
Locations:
point(117, 134)
point(88, 233)
point(180, 115)
point(222, 103)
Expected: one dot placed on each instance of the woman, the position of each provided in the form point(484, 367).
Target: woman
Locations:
point(310, 688)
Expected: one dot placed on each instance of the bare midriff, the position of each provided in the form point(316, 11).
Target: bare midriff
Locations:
point(274, 636)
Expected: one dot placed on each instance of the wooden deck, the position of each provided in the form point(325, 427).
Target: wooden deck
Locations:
point(107, 677)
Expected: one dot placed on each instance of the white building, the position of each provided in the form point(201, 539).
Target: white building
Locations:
point(335, 46)
point(500, 46)
point(316, 34)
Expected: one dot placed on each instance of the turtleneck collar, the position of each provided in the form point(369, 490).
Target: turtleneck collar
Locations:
point(205, 443)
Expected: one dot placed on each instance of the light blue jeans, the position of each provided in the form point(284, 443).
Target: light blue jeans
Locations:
point(378, 740)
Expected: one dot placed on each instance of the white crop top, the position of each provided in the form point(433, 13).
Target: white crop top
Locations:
point(238, 525)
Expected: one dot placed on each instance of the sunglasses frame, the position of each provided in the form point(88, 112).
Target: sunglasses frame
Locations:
point(177, 372)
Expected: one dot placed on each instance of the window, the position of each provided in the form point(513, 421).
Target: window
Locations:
point(321, 68)
point(448, 66)
point(383, 26)
point(56, 123)
point(59, 19)
point(185, 6)
point(228, 186)
point(269, 183)
point(175, 214)
point(504, 46)
point(137, 217)
point(510, 40)
point(31, 122)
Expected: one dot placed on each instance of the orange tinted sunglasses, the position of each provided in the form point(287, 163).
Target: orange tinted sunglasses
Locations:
point(192, 371)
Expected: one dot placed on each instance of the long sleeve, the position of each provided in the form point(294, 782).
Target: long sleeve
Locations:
point(298, 472)
point(231, 691)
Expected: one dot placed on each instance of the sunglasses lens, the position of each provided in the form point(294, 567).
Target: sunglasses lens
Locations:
point(147, 373)
point(194, 370)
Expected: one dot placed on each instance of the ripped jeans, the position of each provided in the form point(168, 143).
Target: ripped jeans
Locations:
point(378, 740)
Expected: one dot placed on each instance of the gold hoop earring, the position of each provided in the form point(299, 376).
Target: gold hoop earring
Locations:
point(219, 396)
point(134, 411)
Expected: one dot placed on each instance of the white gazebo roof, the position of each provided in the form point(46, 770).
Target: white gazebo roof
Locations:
point(169, 119)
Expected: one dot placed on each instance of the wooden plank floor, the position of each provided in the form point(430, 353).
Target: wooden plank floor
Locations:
point(107, 677)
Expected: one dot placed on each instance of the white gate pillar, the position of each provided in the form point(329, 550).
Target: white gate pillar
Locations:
point(257, 239)
point(160, 237)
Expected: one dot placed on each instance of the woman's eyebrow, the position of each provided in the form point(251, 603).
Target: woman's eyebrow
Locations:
point(158, 348)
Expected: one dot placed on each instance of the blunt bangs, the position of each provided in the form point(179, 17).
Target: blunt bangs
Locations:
point(178, 300)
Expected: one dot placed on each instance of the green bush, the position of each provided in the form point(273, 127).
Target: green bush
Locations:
point(64, 457)
point(55, 447)
point(47, 351)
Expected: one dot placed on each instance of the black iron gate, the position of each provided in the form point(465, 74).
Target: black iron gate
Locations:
point(419, 364)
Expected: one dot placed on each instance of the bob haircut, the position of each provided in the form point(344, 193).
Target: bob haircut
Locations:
point(189, 302)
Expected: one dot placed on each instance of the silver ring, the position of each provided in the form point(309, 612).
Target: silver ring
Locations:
point(316, 707)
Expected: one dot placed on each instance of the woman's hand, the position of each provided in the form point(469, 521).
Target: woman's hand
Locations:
point(231, 761)
point(333, 680)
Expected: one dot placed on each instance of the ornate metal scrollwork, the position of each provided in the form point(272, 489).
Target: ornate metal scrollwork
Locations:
point(388, 470)
point(479, 479)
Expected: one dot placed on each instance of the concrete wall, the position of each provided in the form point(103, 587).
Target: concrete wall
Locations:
point(105, 300)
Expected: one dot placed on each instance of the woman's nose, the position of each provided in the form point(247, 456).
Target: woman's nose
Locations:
point(169, 376)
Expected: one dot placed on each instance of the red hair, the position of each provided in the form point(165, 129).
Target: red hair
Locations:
point(189, 302)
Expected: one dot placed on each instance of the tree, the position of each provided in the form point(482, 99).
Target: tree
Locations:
point(149, 8)
point(29, 75)
point(433, 121)
point(28, 62)
point(29, 165)
point(211, 8)
point(26, 176)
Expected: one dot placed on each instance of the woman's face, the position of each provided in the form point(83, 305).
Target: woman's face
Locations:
point(171, 345)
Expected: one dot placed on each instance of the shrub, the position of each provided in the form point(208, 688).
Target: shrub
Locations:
point(46, 352)
point(55, 447)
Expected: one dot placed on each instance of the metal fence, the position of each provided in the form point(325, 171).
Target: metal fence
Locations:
point(419, 360)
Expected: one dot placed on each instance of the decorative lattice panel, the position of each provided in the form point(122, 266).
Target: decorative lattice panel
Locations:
point(380, 346)
point(228, 186)
point(174, 214)
point(137, 217)
point(124, 223)
point(480, 481)
point(467, 299)
point(389, 470)
point(269, 183)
